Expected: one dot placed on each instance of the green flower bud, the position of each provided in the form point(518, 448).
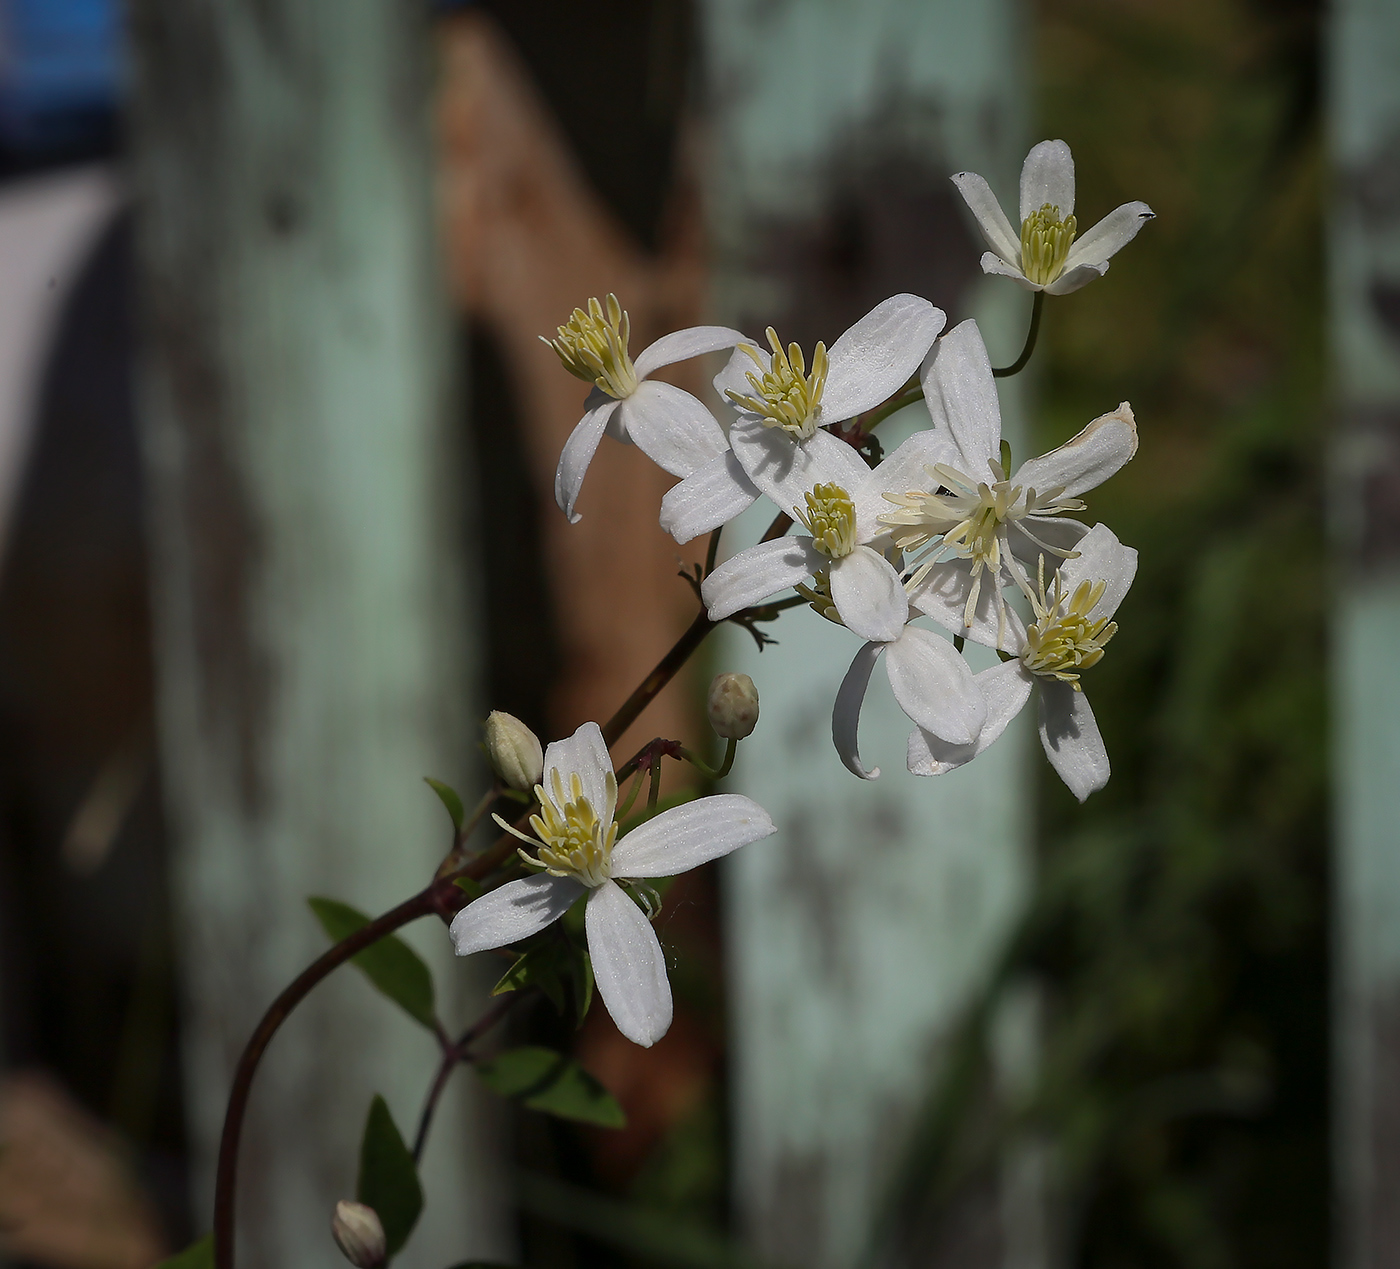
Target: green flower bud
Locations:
point(733, 706)
point(514, 750)
point(358, 1234)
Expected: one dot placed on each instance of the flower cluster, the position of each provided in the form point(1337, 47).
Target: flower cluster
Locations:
point(942, 542)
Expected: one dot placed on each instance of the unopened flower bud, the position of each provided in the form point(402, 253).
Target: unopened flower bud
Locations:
point(359, 1234)
point(733, 706)
point(514, 751)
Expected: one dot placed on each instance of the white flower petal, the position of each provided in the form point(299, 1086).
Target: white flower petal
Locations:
point(753, 575)
point(1114, 232)
point(935, 686)
point(1102, 557)
point(1085, 461)
point(734, 376)
point(942, 595)
point(671, 428)
point(512, 912)
point(1006, 687)
point(709, 497)
point(681, 345)
point(868, 594)
point(962, 397)
point(996, 229)
point(578, 453)
point(690, 835)
point(584, 754)
point(877, 356)
point(993, 264)
point(628, 965)
point(785, 470)
point(1071, 738)
point(1073, 279)
point(845, 714)
point(1047, 176)
point(1058, 532)
point(901, 472)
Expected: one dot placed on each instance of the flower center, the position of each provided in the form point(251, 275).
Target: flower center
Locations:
point(830, 519)
point(1064, 639)
point(574, 840)
point(967, 516)
point(1045, 242)
point(593, 347)
point(784, 395)
point(818, 597)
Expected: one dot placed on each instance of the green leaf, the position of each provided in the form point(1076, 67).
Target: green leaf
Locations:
point(390, 964)
point(472, 889)
point(198, 1255)
point(388, 1177)
point(450, 799)
point(543, 966)
point(551, 1082)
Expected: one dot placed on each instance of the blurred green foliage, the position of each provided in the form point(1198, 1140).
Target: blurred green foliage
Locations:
point(1177, 937)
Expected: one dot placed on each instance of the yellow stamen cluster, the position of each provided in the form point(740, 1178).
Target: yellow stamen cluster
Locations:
point(1060, 644)
point(593, 347)
point(1045, 242)
point(831, 520)
point(818, 596)
point(785, 395)
point(574, 839)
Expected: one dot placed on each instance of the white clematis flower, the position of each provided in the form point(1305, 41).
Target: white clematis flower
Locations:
point(1045, 255)
point(974, 522)
point(667, 424)
point(576, 837)
point(1073, 622)
point(782, 407)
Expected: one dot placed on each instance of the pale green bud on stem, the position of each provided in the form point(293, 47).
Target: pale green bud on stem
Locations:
point(514, 750)
point(733, 706)
point(359, 1234)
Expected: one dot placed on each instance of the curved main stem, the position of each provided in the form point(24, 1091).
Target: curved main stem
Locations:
point(1015, 368)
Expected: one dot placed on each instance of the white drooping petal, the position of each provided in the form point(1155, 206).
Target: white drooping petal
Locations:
point(868, 595)
point(690, 835)
point(1005, 687)
point(942, 595)
point(935, 686)
point(579, 450)
point(901, 472)
point(1114, 232)
point(584, 754)
point(786, 470)
point(628, 965)
point(753, 575)
point(671, 427)
point(1047, 176)
point(681, 345)
point(1102, 558)
point(994, 265)
point(877, 356)
point(962, 397)
point(512, 912)
point(1071, 738)
point(991, 220)
point(1073, 279)
point(707, 498)
point(1084, 461)
point(845, 714)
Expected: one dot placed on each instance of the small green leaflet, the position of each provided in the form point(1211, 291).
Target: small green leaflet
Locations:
point(559, 969)
point(390, 964)
point(450, 799)
point(198, 1255)
point(551, 1082)
point(388, 1178)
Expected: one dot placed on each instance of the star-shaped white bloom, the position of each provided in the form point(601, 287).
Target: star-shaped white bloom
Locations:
point(576, 837)
point(1046, 255)
point(667, 424)
point(967, 522)
point(782, 407)
point(1072, 624)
